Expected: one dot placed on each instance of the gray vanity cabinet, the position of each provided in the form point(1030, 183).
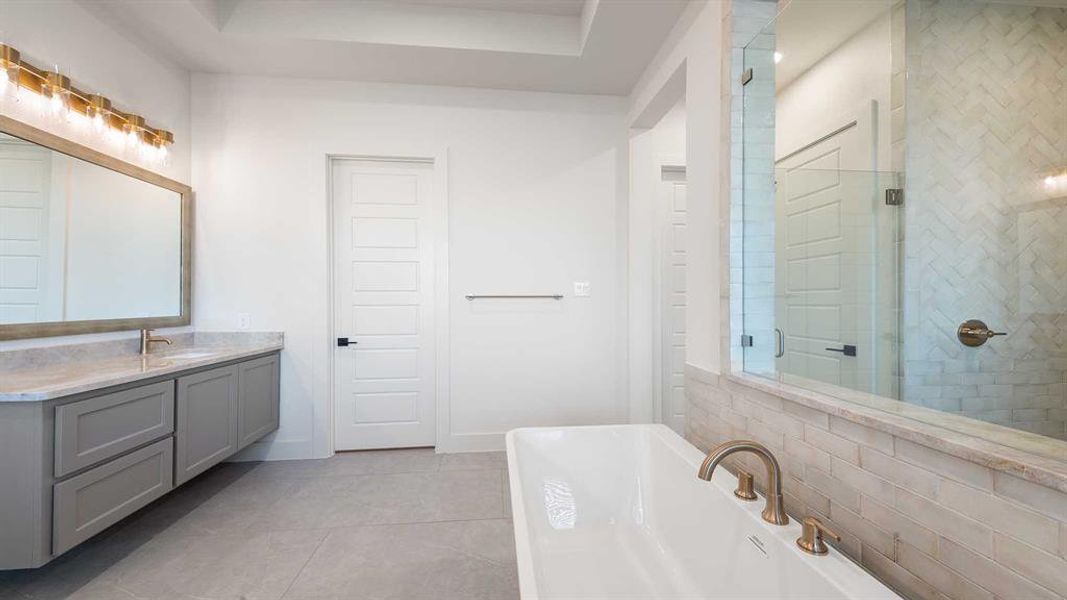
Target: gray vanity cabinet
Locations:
point(72, 466)
point(206, 429)
point(257, 399)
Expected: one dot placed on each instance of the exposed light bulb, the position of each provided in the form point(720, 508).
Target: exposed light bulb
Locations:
point(98, 122)
point(777, 57)
point(1056, 184)
point(9, 73)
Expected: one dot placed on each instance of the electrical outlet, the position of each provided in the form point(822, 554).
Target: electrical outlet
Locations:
point(581, 288)
point(244, 321)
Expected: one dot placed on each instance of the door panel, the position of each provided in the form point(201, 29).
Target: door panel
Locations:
point(206, 431)
point(384, 269)
point(826, 244)
point(30, 257)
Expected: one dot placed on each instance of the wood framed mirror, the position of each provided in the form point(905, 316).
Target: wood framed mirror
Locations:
point(88, 243)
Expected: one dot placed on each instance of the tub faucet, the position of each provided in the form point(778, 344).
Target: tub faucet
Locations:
point(774, 512)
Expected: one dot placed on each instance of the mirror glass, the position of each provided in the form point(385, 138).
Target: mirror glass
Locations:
point(81, 242)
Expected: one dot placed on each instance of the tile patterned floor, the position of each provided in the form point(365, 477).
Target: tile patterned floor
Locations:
point(395, 524)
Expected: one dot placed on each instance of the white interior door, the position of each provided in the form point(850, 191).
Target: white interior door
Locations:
point(384, 304)
point(825, 251)
point(673, 300)
point(31, 260)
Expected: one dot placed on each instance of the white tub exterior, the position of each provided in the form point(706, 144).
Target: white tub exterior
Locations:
point(618, 512)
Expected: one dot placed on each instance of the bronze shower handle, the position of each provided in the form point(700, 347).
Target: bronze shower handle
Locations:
point(975, 333)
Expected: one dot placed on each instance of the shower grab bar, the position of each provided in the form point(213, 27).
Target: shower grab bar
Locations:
point(508, 296)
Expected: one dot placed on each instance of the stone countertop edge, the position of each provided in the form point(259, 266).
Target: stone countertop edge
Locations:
point(1036, 468)
point(95, 376)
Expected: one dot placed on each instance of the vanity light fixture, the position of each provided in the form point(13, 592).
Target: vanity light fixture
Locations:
point(63, 99)
point(778, 56)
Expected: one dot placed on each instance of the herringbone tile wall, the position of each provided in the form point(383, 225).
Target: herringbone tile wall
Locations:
point(987, 118)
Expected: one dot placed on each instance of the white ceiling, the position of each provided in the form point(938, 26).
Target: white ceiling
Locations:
point(565, 8)
point(540, 45)
point(808, 30)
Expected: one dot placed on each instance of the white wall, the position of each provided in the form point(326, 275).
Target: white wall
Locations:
point(834, 89)
point(99, 59)
point(650, 149)
point(534, 198)
point(694, 48)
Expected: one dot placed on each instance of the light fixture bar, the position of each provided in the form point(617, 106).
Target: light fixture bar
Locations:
point(44, 83)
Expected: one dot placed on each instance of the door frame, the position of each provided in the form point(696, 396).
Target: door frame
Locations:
point(667, 162)
point(437, 159)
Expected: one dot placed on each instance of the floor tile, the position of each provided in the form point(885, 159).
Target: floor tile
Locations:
point(416, 460)
point(465, 560)
point(392, 498)
point(260, 565)
point(421, 525)
point(474, 460)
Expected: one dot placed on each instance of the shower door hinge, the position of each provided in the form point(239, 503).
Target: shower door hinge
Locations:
point(746, 76)
point(894, 197)
point(746, 341)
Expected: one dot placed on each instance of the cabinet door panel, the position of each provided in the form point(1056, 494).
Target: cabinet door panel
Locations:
point(206, 430)
point(257, 399)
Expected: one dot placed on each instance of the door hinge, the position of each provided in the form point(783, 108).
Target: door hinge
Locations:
point(894, 197)
point(746, 76)
point(746, 341)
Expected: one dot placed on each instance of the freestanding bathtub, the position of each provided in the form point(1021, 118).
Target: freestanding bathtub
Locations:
point(618, 512)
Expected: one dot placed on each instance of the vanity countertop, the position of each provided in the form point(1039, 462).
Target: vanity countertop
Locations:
point(40, 374)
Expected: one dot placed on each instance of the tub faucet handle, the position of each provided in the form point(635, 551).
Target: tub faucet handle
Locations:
point(811, 533)
point(745, 487)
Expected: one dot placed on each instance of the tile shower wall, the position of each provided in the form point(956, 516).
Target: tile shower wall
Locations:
point(987, 120)
point(931, 525)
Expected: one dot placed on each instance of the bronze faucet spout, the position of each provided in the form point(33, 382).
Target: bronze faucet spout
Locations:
point(774, 512)
point(147, 339)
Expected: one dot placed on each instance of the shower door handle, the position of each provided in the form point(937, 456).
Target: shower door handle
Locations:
point(847, 350)
point(781, 343)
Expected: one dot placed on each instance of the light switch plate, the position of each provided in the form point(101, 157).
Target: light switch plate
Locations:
point(244, 321)
point(581, 288)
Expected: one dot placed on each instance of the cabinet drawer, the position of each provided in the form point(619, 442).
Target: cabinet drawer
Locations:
point(87, 504)
point(96, 429)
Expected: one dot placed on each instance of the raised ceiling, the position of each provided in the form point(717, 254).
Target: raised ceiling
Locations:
point(577, 46)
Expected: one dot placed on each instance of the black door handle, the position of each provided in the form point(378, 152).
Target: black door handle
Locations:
point(344, 342)
point(847, 350)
